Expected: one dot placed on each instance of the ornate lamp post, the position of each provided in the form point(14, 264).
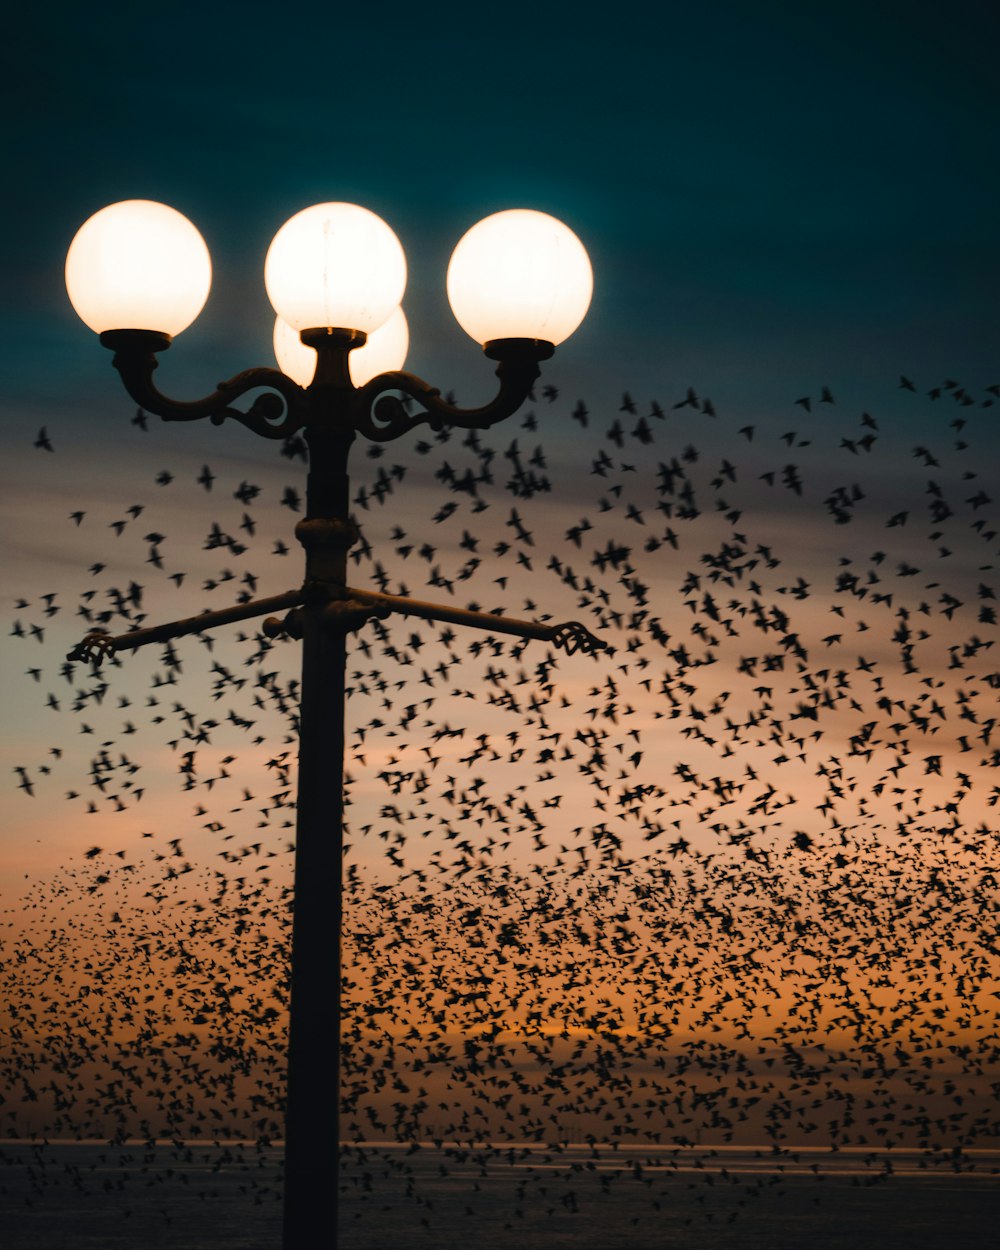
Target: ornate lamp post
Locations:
point(519, 282)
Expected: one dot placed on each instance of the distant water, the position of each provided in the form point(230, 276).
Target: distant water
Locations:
point(87, 1197)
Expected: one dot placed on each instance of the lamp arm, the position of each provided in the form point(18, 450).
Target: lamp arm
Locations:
point(383, 417)
point(270, 415)
point(568, 636)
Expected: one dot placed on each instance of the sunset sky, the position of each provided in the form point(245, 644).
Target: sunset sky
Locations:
point(774, 199)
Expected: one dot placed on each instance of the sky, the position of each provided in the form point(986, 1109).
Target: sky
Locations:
point(775, 199)
point(765, 190)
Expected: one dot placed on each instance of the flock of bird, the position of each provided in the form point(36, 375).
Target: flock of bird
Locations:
point(735, 883)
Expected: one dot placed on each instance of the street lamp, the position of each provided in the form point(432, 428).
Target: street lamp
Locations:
point(519, 282)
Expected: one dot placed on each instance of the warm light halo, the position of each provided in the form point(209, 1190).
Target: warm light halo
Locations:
point(138, 265)
point(520, 274)
point(336, 265)
point(384, 351)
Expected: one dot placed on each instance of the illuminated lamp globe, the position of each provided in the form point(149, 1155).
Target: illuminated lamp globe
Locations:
point(520, 274)
point(385, 350)
point(337, 266)
point(138, 265)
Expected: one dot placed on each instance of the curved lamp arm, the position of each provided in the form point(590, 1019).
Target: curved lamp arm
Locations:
point(383, 417)
point(369, 410)
point(271, 415)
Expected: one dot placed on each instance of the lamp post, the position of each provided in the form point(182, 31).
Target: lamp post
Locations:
point(519, 282)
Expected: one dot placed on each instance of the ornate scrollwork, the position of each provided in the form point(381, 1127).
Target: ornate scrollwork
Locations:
point(373, 409)
point(270, 415)
point(382, 417)
point(571, 637)
point(96, 647)
point(273, 415)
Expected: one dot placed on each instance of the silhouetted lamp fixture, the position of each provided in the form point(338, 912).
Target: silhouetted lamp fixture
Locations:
point(519, 283)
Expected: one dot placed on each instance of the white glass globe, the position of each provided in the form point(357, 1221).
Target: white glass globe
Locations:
point(335, 265)
point(138, 265)
point(520, 274)
point(385, 350)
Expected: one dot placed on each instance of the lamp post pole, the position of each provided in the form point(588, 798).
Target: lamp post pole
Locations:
point(329, 412)
point(312, 1114)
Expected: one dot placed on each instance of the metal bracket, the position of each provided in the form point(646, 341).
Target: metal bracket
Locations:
point(382, 417)
point(344, 608)
point(98, 645)
point(568, 636)
point(289, 626)
point(349, 615)
point(279, 412)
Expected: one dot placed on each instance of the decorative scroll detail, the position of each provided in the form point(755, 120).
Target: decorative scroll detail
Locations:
point(383, 417)
point(271, 415)
point(96, 647)
point(571, 637)
point(331, 400)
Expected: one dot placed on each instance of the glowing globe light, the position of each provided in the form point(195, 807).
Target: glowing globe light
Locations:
point(520, 274)
point(335, 265)
point(138, 265)
point(385, 350)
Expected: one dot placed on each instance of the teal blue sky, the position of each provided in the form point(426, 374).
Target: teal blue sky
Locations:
point(768, 191)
